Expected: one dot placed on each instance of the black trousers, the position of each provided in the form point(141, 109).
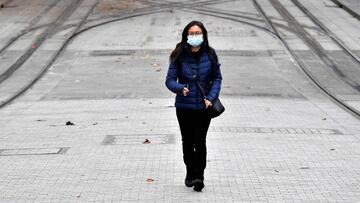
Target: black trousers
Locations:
point(194, 125)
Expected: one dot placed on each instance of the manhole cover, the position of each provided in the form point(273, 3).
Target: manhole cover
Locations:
point(276, 130)
point(33, 151)
point(139, 139)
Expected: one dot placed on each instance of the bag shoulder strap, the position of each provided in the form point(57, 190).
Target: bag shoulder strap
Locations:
point(197, 82)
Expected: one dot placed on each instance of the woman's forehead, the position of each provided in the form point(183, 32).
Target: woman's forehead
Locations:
point(195, 28)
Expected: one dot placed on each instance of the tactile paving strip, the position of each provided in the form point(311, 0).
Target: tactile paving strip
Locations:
point(276, 130)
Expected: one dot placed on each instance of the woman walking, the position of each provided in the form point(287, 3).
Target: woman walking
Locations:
point(194, 58)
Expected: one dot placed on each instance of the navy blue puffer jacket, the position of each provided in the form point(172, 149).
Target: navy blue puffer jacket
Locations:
point(208, 75)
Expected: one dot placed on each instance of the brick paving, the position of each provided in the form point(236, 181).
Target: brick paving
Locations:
point(264, 166)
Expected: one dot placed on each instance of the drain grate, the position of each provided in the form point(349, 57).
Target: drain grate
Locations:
point(33, 151)
point(276, 130)
point(138, 139)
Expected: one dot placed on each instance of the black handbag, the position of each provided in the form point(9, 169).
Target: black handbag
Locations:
point(216, 108)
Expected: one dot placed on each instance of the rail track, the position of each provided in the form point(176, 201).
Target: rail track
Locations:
point(56, 27)
point(299, 30)
point(314, 45)
point(326, 30)
point(29, 27)
point(300, 64)
point(51, 30)
point(189, 7)
point(29, 51)
point(347, 9)
point(39, 40)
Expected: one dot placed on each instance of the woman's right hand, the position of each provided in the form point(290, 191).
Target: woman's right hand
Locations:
point(185, 91)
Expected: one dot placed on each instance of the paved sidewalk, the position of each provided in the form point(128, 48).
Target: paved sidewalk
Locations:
point(261, 150)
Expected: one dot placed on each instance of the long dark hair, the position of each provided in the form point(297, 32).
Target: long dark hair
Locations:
point(180, 47)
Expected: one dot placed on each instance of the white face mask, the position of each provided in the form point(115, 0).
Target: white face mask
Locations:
point(195, 40)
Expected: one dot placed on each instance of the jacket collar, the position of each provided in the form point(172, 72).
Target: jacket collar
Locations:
point(188, 48)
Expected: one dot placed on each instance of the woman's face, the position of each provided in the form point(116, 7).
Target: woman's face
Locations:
point(194, 30)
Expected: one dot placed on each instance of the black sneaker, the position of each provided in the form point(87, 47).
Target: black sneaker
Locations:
point(198, 185)
point(189, 182)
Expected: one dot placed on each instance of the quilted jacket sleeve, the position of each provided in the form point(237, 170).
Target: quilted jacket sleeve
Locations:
point(216, 84)
point(171, 80)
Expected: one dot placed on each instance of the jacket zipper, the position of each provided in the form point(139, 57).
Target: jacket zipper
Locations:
point(197, 91)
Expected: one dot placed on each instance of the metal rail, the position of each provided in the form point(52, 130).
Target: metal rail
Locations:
point(29, 28)
point(326, 30)
point(56, 28)
point(347, 9)
point(39, 40)
point(159, 8)
point(300, 64)
point(62, 48)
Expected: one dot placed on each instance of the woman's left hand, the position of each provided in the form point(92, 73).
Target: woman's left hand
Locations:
point(207, 103)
